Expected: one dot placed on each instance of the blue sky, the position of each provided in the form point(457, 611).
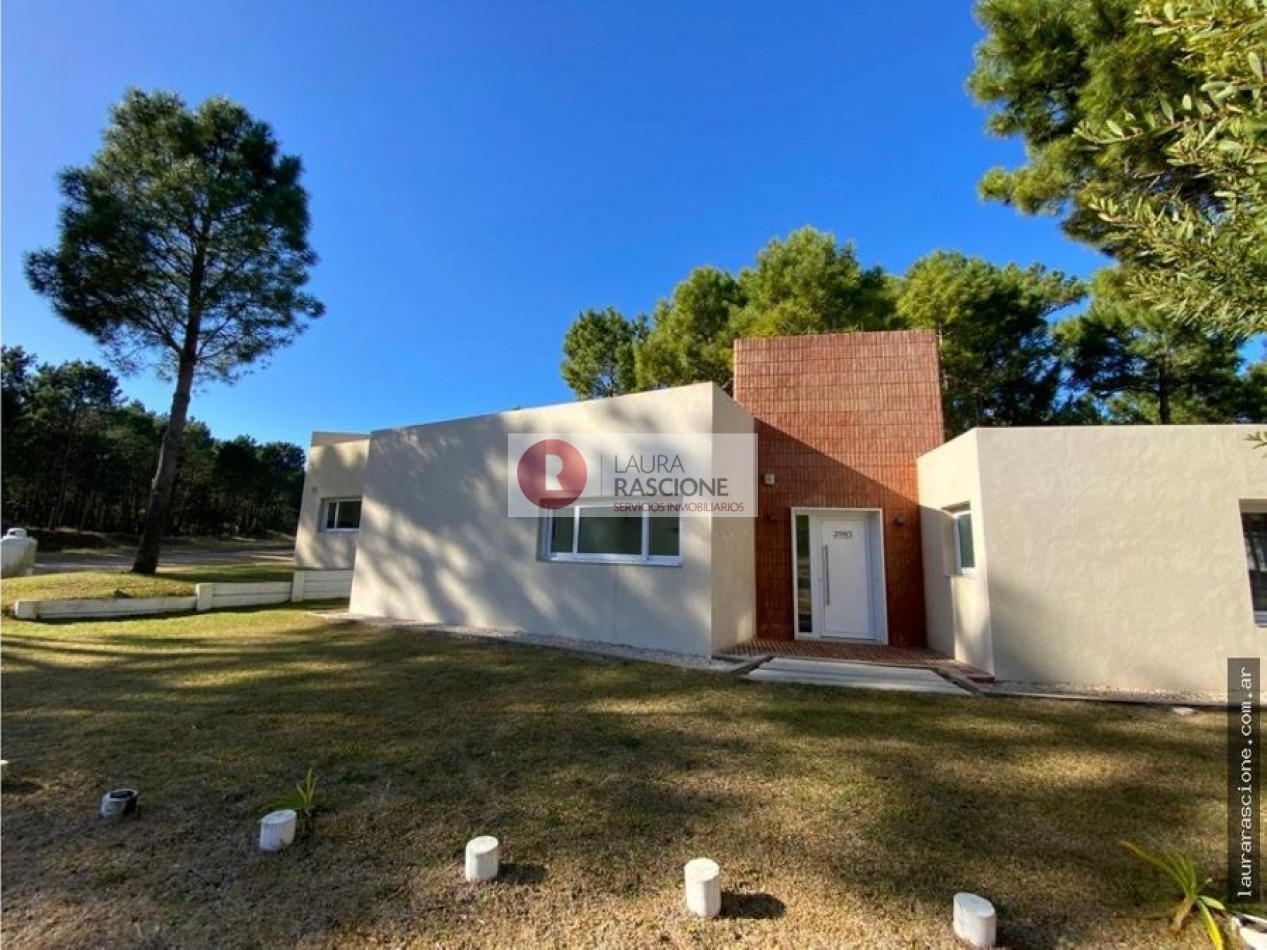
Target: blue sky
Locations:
point(482, 171)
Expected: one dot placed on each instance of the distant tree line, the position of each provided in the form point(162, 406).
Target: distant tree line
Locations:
point(77, 454)
point(1145, 132)
point(1011, 352)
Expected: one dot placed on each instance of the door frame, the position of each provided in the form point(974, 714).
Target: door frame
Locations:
point(878, 586)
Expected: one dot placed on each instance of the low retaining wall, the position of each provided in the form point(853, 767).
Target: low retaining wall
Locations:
point(222, 596)
point(305, 585)
point(89, 608)
point(322, 585)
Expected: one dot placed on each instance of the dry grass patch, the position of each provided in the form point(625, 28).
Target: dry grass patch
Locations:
point(839, 818)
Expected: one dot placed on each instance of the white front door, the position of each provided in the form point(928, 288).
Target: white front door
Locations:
point(845, 575)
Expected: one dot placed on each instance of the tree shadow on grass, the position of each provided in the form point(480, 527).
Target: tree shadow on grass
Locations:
point(519, 873)
point(420, 742)
point(18, 786)
point(737, 906)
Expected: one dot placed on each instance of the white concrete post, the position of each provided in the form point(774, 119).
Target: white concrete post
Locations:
point(974, 920)
point(297, 585)
point(277, 829)
point(205, 594)
point(703, 887)
point(17, 554)
point(4, 770)
point(1252, 930)
point(483, 857)
point(121, 801)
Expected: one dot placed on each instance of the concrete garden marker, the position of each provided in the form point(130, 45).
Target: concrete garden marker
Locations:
point(121, 801)
point(4, 770)
point(1252, 930)
point(974, 920)
point(703, 887)
point(17, 554)
point(483, 855)
point(277, 829)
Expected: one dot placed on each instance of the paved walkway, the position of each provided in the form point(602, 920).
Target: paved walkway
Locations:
point(915, 657)
point(855, 675)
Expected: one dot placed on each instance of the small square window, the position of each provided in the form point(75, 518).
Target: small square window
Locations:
point(603, 531)
point(1254, 528)
point(562, 530)
point(341, 514)
point(965, 553)
point(665, 536)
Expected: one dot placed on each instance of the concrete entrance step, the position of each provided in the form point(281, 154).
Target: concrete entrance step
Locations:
point(855, 675)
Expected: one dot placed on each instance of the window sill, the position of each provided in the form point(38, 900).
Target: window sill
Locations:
point(1260, 618)
point(338, 530)
point(613, 559)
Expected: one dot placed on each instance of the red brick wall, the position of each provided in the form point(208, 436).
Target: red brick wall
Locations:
point(841, 419)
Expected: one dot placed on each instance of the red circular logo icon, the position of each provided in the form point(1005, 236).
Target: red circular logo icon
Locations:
point(552, 473)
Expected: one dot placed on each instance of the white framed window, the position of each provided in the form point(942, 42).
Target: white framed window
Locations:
point(595, 532)
point(1254, 528)
point(340, 514)
point(961, 531)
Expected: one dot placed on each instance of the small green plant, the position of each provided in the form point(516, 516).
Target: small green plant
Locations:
point(1182, 871)
point(303, 800)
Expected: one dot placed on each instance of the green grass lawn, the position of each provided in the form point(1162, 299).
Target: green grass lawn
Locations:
point(173, 582)
point(839, 818)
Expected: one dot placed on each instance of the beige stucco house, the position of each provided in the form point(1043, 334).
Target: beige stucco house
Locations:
point(434, 542)
point(330, 511)
point(1127, 557)
point(1116, 556)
